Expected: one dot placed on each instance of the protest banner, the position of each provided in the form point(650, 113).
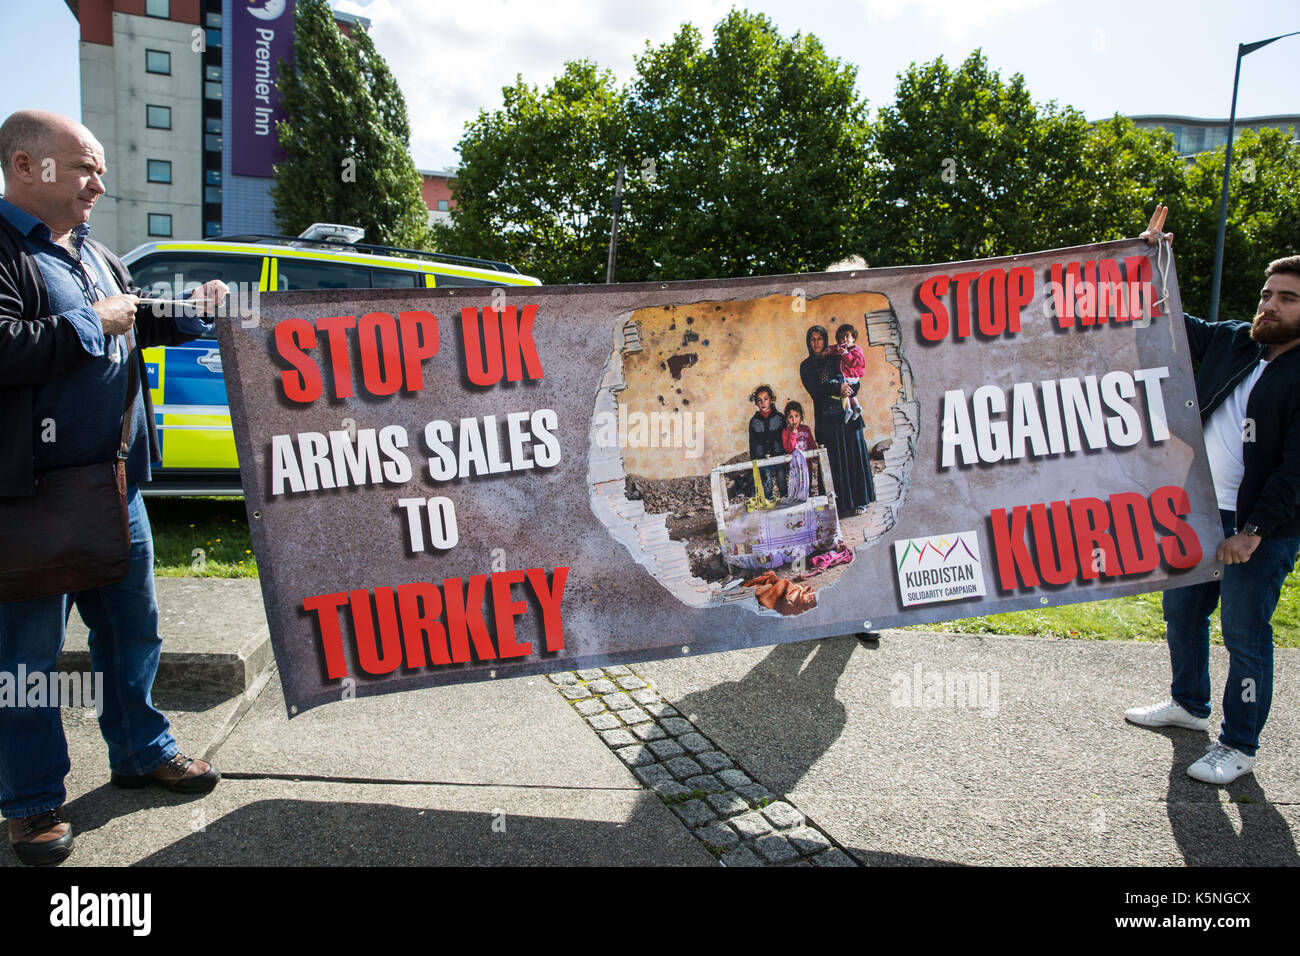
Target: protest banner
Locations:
point(449, 485)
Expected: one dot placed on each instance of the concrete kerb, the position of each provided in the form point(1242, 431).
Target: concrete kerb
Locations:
point(215, 636)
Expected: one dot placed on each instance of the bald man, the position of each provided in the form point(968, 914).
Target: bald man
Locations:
point(71, 327)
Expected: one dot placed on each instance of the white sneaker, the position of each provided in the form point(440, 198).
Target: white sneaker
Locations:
point(1167, 713)
point(1221, 765)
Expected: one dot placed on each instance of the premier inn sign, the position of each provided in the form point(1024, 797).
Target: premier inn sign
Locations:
point(449, 485)
point(262, 35)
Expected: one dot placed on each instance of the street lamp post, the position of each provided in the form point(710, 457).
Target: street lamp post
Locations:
point(1242, 50)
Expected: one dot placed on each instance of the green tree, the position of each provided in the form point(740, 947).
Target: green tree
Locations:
point(536, 177)
point(757, 148)
point(969, 167)
point(346, 137)
point(1263, 209)
point(746, 158)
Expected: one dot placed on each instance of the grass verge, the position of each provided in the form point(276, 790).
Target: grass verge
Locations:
point(1135, 618)
point(201, 537)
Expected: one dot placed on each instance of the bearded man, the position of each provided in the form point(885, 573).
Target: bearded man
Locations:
point(1248, 387)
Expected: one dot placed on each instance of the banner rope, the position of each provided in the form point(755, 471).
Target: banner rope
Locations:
point(1164, 256)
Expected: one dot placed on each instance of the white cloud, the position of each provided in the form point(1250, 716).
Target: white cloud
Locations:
point(959, 18)
point(452, 59)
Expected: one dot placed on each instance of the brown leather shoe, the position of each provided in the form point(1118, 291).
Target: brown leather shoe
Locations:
point(41, 839)
point(181, 774)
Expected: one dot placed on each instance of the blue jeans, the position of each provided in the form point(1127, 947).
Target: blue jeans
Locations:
point(1249, 593)
point(124, 647)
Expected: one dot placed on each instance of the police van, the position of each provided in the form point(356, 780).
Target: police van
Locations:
point(188, 390)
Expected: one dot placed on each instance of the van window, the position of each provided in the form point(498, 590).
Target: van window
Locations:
point(447, 282)
point(157, 273)
point(396, 278)
point(310, 274)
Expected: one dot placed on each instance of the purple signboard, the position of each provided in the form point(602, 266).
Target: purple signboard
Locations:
point(261, 35)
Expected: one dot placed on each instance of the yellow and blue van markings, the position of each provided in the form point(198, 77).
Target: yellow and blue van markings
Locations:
point(186, 383)
point(271, 252)
point(155, 367)
point(189, 400)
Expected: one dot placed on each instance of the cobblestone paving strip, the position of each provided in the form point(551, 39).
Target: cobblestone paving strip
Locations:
point(737, 818)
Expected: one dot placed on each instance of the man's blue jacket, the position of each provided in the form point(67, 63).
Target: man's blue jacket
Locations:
point(1269, 496)
point(36, 347)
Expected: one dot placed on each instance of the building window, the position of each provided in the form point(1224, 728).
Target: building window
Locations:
point(213, 38)
point(159, 171)
point(212, 194)
point(212, 91)
point(442, 205)
point(212, 177)
point(158, 8)
point(212, 143)
point(158, 61)
point(158, 117)
point(213, 20)
point(212, 228)
point(212, 125)
point(160, 224)
point(212, 73)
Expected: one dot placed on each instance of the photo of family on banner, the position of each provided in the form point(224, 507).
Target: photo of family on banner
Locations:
point(781, 524)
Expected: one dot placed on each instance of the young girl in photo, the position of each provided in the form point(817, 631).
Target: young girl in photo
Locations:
point(765, 429)
point(853, 363)
point(796, 434)
point(797, 439)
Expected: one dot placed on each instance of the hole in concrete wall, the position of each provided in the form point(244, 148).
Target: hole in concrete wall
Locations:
point(670, 472)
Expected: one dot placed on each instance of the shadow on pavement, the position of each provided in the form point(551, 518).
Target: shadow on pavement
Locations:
point(297, 832)
point(286, 832)
point(1203, 827)
point(105, 804)
point(101, 806)
point(802, 676)
point(881, 858)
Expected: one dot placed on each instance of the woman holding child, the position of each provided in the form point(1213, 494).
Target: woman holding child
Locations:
point(835, 425)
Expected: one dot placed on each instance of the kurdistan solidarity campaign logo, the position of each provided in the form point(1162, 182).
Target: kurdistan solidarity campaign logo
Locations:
point(266, 9)
point(939, 568)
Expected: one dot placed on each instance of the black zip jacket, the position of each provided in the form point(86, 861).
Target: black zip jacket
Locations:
point(765, 435)
point(36, 347)
point(1269, 496)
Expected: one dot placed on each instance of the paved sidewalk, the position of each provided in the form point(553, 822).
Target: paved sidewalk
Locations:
point(1047, 772)
point(1036, 767)
point(495, 774)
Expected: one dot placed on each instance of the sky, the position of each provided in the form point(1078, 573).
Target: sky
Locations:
point(453, 58)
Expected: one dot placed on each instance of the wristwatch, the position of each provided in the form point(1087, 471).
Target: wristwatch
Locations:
point(1252, 530)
